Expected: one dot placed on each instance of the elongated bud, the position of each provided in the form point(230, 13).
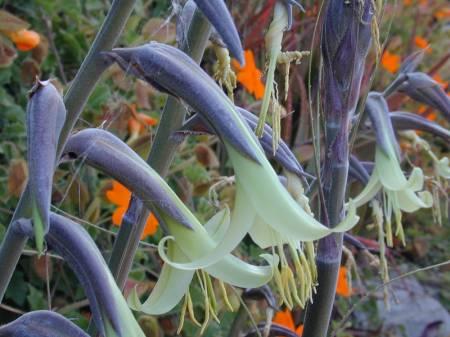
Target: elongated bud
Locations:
point(184, 21)
point(45, 117)
point(346, 38)
point(172, 71)
point(422, 88)
point(110, 311)
point(41, 323)
point(106, 152)
point(378, 111)
point(219, 16)
point(402, 120)
point(357, 170)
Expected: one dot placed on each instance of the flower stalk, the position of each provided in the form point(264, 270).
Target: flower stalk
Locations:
point(75, 99)
point(346, 37)
point(160, 157)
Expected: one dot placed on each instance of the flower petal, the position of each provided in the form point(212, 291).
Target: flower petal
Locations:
point(389, 171)
point(409, 202)
point(172, 285)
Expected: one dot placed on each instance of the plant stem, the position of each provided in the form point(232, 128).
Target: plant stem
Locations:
point(160, 158)
point(93, 65)
point(75, 100)
point(329, 249)
point(9, 254)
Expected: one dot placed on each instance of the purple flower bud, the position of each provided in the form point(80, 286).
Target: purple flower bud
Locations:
point(103, 150)
point(346, 38)
point(45, 117)
point(41, 324)
point(219, 16)
point(283, 155)
point(357, 170)
point(378, 111)
point(402, 120)
point(412, 61)
point(172, 71)
point(422, 88)
point(78, 249)
point(184, 21)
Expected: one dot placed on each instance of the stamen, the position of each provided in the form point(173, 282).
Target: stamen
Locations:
point(225, 295)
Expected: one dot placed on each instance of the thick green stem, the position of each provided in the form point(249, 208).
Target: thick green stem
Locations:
point(75, 100)
point(93, 65)
point(160, 158)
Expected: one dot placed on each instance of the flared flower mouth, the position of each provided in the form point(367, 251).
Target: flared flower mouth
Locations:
point(399, 193)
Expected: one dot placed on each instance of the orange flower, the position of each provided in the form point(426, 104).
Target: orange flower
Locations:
point(343, 286)
point(442, 14)
point(120, 196)
point(139, 121)
point(421, 43)
point(285, 319)
point(407, 2)
point(249, 75)
point(441, 81)
point(390, 62)
point(25, 39)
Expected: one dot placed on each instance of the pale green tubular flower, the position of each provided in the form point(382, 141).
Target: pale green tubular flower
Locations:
point(399, 193)
point(441, 175)
point(282, 21)
point(192, 241)
point(258, 190)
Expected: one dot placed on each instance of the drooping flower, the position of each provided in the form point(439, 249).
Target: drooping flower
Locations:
point(263, 206)
point(45, 118)
point(25, 39)
point(390, 61)
point(249, 75)
point(282, 21)
point(399, 193)
point(120, 196)
point(189, 241)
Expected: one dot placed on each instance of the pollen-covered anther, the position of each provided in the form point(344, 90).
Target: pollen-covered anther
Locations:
point(284, 60)
point(223, 73)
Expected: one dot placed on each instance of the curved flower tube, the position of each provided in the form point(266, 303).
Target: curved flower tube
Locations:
point(41, 323)
point(174, 72)
point(111, 314)
point(422, 88)
point(103, 150)
point(283, 155)
point(400, 193)
point(45, 117)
